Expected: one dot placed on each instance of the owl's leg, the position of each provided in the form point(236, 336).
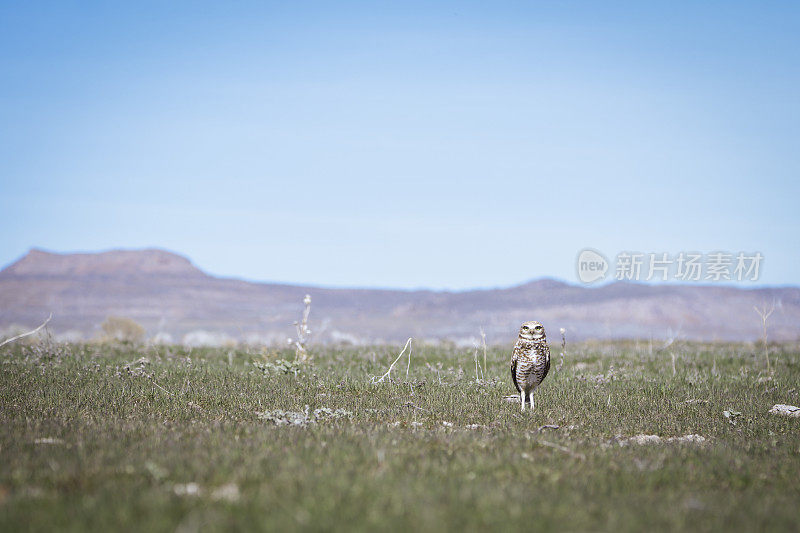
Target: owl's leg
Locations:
point(522, 399)
point(531, 397)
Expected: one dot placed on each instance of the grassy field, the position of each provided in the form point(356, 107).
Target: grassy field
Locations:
point(94, 437)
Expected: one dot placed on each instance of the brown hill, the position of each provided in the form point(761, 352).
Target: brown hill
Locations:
point(167, 294)
point(150, 262)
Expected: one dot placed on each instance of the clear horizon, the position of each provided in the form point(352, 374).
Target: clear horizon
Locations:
point(573, 282)
point(453, 146)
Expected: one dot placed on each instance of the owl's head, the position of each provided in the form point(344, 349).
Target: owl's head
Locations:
point(532, 331)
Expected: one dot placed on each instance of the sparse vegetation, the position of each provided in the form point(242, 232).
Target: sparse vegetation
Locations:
point(301, 354)
point(160, 438)
point(764, 313)
point(123, 329)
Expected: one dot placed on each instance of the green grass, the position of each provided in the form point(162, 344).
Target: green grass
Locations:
point(125, 443)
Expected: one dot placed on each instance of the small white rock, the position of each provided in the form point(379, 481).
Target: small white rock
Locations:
point(655, 439)
point(641, 439)
point(785, 410)
point(187, 489)
point(48, 440)
point(693, 438)
point(229, 492)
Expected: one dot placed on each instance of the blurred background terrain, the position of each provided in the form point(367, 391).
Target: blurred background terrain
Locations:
point(175, 301)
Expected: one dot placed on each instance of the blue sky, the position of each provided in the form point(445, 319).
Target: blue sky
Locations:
point(401, 144)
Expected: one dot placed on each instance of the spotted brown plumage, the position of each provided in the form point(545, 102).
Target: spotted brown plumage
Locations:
point(530, 361)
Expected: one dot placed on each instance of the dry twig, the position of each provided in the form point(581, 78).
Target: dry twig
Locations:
point(389, 372)
point(483, 343)
point(764, 313)
point(562, 449)
point(12, 339)
point(477, 377)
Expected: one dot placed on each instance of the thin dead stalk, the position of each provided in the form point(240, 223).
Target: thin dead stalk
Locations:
point(389, 372)
point(303, 333)
point(764, 313)
point(12, 339)
point(162, 388)
point(562, 449)
point(483, 343)
point(477, 377)
point(408, 366)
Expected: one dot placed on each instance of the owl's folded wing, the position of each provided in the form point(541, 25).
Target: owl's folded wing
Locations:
point(514, 370)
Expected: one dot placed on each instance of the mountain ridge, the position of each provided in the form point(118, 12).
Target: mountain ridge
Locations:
point(41, 262)
point(169, 295)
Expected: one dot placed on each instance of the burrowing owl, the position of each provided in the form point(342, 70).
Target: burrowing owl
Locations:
point(530, 361)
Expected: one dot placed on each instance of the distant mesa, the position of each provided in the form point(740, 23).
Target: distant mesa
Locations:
point(147, 262)
point(171, 298)
point(544, 284)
